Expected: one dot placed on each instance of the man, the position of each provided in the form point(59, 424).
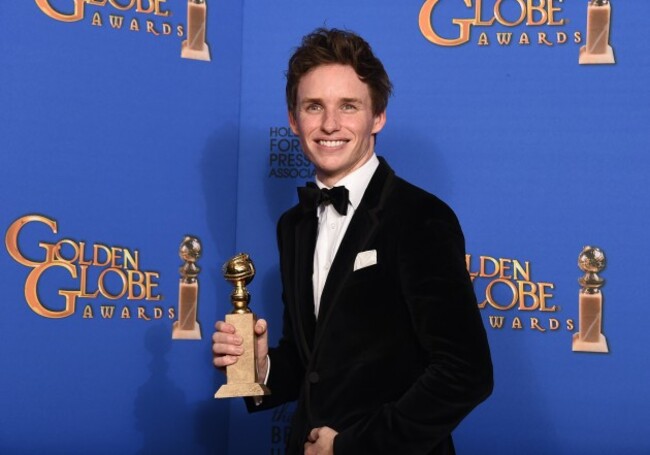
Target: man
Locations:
point(382, 344)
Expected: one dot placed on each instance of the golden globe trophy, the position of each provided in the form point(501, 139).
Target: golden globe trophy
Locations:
point(590, 337)
point(187, 326)
point(242, 377)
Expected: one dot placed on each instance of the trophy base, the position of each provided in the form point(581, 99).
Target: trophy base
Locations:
point(200, 54)
point(242, 390)
point(589, 346)
point(607, 58)
point(184, 334)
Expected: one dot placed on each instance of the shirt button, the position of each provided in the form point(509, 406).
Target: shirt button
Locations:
point(332, 226)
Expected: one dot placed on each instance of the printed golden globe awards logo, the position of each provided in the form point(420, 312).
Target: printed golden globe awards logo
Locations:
point(518, 302)
point(148, 16)
point(98, 271)
point(505, 288)
point(112, 14)
point(495, 19)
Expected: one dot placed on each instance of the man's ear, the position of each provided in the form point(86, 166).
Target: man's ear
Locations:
point(292, 123)
point(379, 122)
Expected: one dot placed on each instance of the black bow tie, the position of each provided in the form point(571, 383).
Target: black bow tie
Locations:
point(311, 196)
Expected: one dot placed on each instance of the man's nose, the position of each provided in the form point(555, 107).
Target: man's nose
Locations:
point(330, 121)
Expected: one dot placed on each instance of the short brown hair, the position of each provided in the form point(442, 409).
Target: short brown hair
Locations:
point(332, 46)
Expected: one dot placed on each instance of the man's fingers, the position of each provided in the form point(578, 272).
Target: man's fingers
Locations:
point(224, 360)
point(224, 327)
point(226, 338)
point(227, 349)
point(226, 345)
point(313, 435)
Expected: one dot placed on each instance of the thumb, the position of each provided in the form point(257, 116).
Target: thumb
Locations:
point(260, 327)
point(262, 339)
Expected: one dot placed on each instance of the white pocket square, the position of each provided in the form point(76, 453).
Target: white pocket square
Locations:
point(365, 259)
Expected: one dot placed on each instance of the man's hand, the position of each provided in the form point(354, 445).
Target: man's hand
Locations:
point(320, 441)
point(227, 346)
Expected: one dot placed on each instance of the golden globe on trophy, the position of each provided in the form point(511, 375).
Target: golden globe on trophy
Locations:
point(242, 376)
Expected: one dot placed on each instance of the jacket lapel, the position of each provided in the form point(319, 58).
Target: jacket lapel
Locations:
point(360, 231)
point(305, 242)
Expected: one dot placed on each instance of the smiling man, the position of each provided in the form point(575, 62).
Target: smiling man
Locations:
point(382, 343)
point(335, 121)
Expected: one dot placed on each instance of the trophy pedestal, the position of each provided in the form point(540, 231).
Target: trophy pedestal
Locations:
point(589, 346)
point(606, 58)
point(194, 46)
point(242, 390)
point(179, 333)
point(195, 54)
point(187, 327)
point(597, 50)
point(242, 376)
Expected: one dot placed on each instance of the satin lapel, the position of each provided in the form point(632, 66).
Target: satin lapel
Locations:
point(305, 242)
point(360, 231)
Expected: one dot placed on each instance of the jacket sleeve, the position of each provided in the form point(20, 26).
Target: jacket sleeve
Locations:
point(439, 295)
point(285, 375)
point(287, 370)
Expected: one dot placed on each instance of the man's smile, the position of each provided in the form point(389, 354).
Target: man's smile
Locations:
point(332, 143)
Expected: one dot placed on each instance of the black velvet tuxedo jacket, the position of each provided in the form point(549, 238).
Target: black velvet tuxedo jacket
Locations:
point(398, 355)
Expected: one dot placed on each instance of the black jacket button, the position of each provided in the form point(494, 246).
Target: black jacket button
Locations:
point(313, 377)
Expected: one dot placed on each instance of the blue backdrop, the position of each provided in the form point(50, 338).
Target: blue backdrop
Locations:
point(108, 132)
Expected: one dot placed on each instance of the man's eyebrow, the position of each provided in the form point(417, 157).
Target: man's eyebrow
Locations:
point(320, 101)
point(311, 100)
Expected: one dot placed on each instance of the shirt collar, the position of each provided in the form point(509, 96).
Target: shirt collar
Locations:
point(357, 181)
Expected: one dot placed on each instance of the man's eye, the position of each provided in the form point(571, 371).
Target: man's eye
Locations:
point(313, 108)
point(349, 107)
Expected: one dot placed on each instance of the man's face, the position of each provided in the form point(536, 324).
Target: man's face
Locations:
point(334, 121)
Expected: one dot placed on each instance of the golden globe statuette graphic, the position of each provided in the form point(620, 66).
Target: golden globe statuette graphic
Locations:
point(195, 47)
point(242, 376)
point(187, 327)
point(597, 51)
point(590, 337)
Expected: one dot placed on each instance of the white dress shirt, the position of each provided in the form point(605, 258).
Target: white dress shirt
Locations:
point(332, 225)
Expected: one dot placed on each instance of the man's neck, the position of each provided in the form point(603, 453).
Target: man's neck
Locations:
point(330, 181)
